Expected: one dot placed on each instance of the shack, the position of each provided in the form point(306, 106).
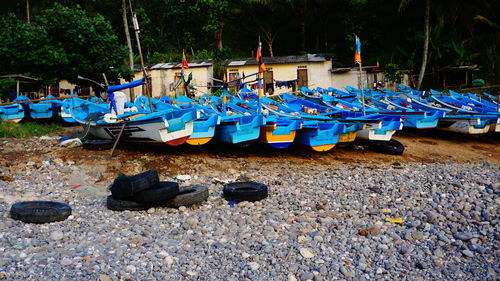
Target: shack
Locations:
point(165, 77)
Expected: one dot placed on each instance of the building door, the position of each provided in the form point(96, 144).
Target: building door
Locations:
point(302, 76)
point(269, 81)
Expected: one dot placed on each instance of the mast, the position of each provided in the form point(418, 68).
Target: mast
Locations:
point(145, 73)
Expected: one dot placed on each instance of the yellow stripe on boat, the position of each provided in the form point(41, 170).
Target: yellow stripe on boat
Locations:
point(198, 141)
point(266, 135)
point(322, 148)
point(348, 137)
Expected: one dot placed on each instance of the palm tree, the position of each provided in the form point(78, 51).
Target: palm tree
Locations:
point(425, 53)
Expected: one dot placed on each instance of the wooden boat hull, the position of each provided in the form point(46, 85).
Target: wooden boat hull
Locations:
point(348, 137)
point(322, 138)
point(150, 131)
point(241, 130)
point(382, 133)
point(203, 131)
point(41, 110)
point(470, 127)
point(12, 113)
point(279, 140)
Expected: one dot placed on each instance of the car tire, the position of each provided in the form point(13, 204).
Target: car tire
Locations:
point(245, 191)
point(40, 211)
point(189, 195)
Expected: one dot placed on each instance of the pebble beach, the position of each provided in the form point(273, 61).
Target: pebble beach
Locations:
point(388, 220)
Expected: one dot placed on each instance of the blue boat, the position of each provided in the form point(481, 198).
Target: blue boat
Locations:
point(203, 126)
point(12, 113)
point(171, 126)
point(383, 127)
point(238, 126)
point(43, 109)
point(458, 120)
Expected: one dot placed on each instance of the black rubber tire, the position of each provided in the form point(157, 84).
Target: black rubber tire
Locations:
point(40, 211)
point(123, 205)
point(165, 191)
point(245, 191)
point(97, 144)
point(392, 147)
point(126, 187)
point(189, 195)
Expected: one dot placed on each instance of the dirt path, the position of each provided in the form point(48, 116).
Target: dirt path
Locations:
point(420, 147)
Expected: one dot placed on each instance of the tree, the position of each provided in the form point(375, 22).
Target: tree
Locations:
point(216, 13)
point(26, 48)
point(61, 43)
point(425, 52)
point(89, 44)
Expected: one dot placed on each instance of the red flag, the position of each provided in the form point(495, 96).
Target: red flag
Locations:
point(184, 60)
point(258, 58)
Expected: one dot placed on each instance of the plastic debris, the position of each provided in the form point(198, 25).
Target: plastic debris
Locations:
point(294, 207)
point(486, 165)
point(64, 138)
point(71, 143)
point(76, 186)
point(232, 203)
point(183, 177)
point(394, 220)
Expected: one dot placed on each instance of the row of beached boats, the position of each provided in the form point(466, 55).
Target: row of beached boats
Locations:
point(318, 118)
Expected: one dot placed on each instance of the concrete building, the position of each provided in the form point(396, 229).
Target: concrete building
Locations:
point(289, 73)
point(165, 77)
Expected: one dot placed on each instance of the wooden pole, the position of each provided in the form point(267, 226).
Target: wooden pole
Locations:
point(118, 139)
point(145, 73)
point(361, 88)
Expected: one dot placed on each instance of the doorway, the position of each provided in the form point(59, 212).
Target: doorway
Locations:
point(302, 77)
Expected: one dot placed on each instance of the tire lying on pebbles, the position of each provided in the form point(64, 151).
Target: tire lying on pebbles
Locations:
point(165, 191)
point(189, 195)
point(245, 191)
point(124, 205)
point(97, 144)
point(392, 147)
point(40, 211)
point(126, 187)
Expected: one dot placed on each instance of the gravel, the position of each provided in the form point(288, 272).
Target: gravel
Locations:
point(320, 222)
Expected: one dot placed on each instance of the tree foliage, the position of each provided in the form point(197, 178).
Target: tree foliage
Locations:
point(61, 43)
point(461, 32)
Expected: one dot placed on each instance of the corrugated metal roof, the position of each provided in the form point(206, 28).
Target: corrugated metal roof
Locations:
point(174, 65)
point(277, 60)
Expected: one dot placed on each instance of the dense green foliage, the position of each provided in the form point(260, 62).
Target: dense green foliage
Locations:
point(60, 44)
point(28, 129)
point(461, 32)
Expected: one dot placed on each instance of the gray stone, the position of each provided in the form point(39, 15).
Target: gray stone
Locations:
point(464, 236)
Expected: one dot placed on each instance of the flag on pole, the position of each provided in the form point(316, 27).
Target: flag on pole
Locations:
point(184, 60)
point(357, 54)
point(258, 58)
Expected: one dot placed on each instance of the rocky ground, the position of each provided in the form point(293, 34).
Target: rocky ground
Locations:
point(325, 218)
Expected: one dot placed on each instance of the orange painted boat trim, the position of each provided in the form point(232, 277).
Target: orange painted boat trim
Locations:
point(198, 141)
point(323, 148)
point(177, 142)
